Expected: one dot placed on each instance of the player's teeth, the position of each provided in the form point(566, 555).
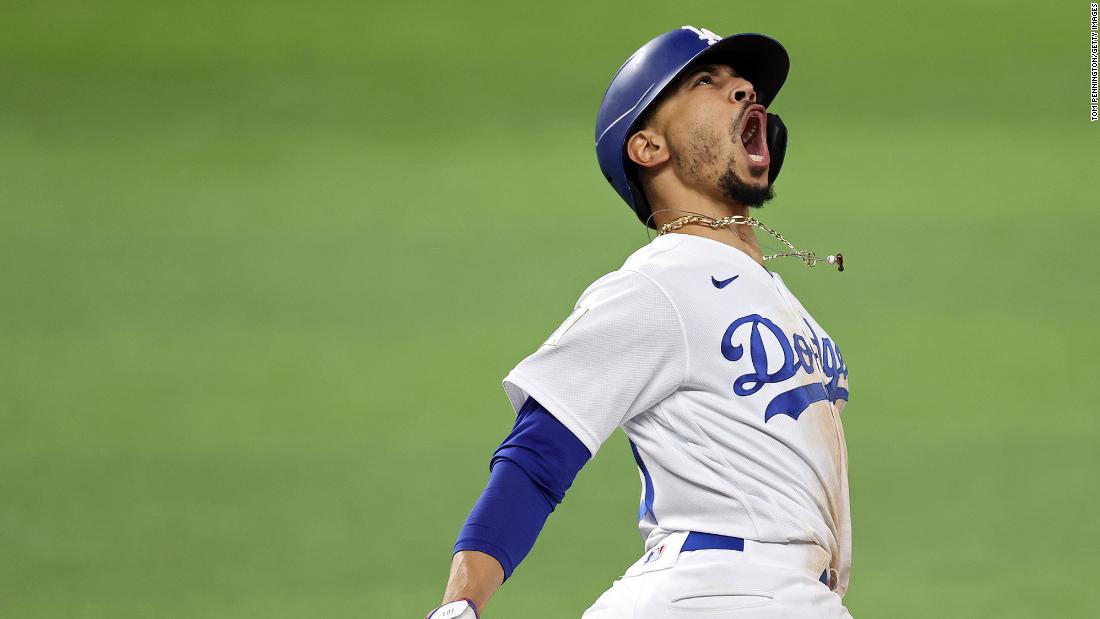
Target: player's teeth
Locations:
point(756, 158)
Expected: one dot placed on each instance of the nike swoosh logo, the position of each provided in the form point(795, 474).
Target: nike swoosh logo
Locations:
point(723, 283)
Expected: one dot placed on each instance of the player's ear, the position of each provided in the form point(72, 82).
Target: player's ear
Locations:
point(647, 148)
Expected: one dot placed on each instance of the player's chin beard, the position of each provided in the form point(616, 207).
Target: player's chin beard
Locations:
point(741, 192)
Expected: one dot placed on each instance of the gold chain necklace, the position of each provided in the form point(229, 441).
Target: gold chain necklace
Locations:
point(809, 257)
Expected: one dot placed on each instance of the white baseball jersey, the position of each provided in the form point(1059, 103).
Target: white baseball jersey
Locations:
point(729, 391)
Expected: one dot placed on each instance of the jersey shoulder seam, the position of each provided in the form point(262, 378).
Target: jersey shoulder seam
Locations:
point(679, 321)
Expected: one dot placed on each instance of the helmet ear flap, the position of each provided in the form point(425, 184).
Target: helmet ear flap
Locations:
point(777, 145)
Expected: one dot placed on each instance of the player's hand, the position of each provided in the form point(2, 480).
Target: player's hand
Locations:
point(462, 609)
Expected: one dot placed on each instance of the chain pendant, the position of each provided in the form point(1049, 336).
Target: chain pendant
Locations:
point(806, 256)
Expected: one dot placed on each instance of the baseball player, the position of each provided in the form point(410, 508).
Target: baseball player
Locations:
point(729, 392)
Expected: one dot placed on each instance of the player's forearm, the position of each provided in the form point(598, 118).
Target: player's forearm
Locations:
point(474, 575)
point(529, 475)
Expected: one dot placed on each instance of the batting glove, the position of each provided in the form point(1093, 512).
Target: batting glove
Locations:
point(462, 609)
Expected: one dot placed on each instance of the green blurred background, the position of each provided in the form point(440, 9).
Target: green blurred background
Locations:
point(264, 266)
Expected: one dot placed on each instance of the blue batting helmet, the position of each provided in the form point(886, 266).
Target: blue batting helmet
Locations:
point(643, 77)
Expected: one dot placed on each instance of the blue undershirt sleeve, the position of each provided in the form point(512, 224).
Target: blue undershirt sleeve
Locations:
point(529, 475)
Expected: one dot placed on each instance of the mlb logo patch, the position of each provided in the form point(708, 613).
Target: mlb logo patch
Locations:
point(655, 554)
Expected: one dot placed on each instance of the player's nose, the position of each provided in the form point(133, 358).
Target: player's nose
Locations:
point(742, 91)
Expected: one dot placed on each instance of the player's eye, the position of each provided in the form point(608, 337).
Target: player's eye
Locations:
point(703, 79)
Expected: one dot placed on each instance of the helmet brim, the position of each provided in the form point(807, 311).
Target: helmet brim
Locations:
point(758, 58)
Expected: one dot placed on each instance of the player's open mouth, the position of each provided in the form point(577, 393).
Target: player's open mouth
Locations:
point(752, 137)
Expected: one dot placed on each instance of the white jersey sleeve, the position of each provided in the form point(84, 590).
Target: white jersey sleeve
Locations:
point(619, 352)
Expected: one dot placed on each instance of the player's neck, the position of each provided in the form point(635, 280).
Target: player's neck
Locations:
point(740, 237)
